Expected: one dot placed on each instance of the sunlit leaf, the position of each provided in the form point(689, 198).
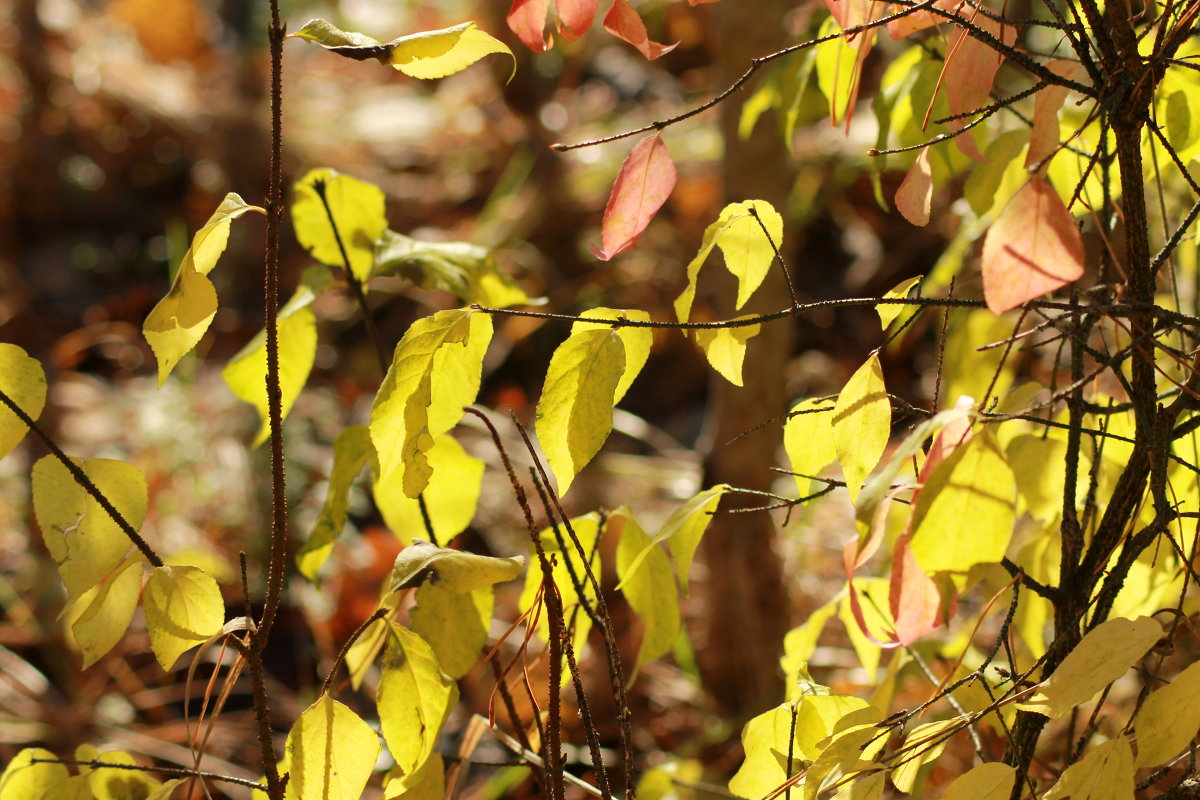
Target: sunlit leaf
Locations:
point(351, 449)
point(682, 532)
point(574, 413)
point(357, 208)
point(764, 738)
point(455, 624)
point(435, 372)
point(637, 341)
point(1099, 659)
point(862, 423)
point(85, 543)
point(1039, 466)
point(575, 17)
point(914, 198)
point(725, 349)
point(625, 23)
point(183, 608)
point(808, 439)
point(426, 55)
point(971, 64)
point(119, 784)
point(427, 783)
point(992, 781)
point(24, 381)
point(650, 592)
point(1104, 773)
point(923, 744)
point(331, 752)
point(468, 271)
point(527, 19)
point(799, 644)
point(450, 498)
point(23, 780)
point(838, 65)
point(180, 319)
point(246, 372)
point(105, 610)
point(643, 184)
point(888, 312)
point(415, 697)
point(1032, 248)
point(456, 570)
point(848, 752)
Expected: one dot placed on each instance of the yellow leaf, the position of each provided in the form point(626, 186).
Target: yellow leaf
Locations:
point(922, 745)
point(101, 615)
point(888, 312)
point(466, 270)
point(456, 570)
point(847, 753)
point(817, 716)
point(1099, 659)
point(650, 593)
point(1105, 773)
point(682, 531)
point(451, 496)
point(747, 250)
point(180, 319)
point(455, 624)
point(808, 439)
point(725, 348)
point(435, 372)
point(183, 608)
point(574, 413)
point(23, 779)
point(836, 71)
point(799, 644)
point(764, 738)
point(429, 782)
point(637, 341)
point(862, 423)
point(246, 372)
point(965, 513)
point(351, 449)
point(331, 752)
point(415, 697)
point(1169, 719)
point(1038, 465)
point(23, 380)
point(358, 210)
point(85, 543)
point(587, 529)
point(119, 784)
point(992, 781)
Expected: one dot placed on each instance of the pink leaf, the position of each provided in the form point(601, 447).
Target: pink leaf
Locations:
point(919, 20)
point(914, 198)
point(1044, 139)
point(625, 23)
point(642, 186)
point(913, 596)
point(855, 555)
point(575, 17)
point(527, 18)
point(1032, 248)
point(971, 65)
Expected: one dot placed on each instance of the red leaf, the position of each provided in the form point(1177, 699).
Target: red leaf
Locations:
point(527, 18)
point(624, 23)
point(642, 186)
point(575, 17)
point(913, 596)
point(1044, 138)
point(1032, 248)
point(914, 198)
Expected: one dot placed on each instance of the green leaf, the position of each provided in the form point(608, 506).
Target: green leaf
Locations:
point(101, 615)
point(466, 270)
point(246, 372)
point(415, 698)
point(888, 312)
point(24, 780)
point(837, 75)
point(993, 781)
point(725, 348)
point(351, 449)
point(650, 592)
point(455, 624)
point(747, 250)
point(331, 752)
point(183, 608)
point(85, 543)
point(180, 319)
point(637, 341)
point(1105, 773)
point(451, 496)
point(435, 372)
point(358, 210)
point(574, 413)
point(808, 439)
point(1103, 655)
point(682, 531)
point(23, 380)
point(965, 513)
point(1168, 720)
point(455, 570)
point(430, 54)
point(862, 423)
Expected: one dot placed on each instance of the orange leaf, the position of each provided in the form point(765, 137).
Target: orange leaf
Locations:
point(625, 23)
point(575, 17)
point(1043, 139)
point(527, 18)
point(913, 596)
point(1032, 248)
point(642, 186)
point(971, 65)
point(919, 20)
point(914, 198)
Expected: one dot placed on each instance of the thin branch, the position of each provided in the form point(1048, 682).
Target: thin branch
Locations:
point(181, 772)
point(379, 614)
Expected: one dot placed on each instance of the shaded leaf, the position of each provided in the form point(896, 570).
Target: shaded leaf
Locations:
point(23, 779)
point(358, 210)
point(862, 422)
point(650, 592)
point(993, 781)
point(183, 608)
point(1044, 138)
point(888, 312)
point(351, 449)
point(106, 610)
point(450, 497)
point(118, 784)
point(415, 697)
point(427, 783)
point(455, 570)
point(725, 348)
point(1103, 655)
point(24, 381)
point(914, 198)
point(331, 752)
point(575, 17)
point(626, 24)
point(455, 624)
point(1104, 773)
point(466, 270)
point(643, 184)
point(1032, 248)
point(1168, 720)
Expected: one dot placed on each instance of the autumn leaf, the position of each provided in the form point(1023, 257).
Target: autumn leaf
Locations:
point(575, 17)
point(914, 198)
point(643, 184)
point(625, 23)
point(351, 449)
point(101, 615)
point(1032, 248)
point(725, 348)
point(888, 312)
point(23, 779)
point(24, 381)
point(183, 608)
point(862, 423)
point(1104, 773)
point(992, 781)
point(1168, 720)
point(357, 208)
point(527, 18)
point(1044, 137)
point(415, 697)
point(650, 592)
point(456, 570)
point(331, 752)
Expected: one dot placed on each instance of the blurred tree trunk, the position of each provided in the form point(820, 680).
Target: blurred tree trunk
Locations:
point(747, 608)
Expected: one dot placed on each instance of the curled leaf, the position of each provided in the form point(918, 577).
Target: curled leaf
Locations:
point(456, 570)
point(625, 23)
